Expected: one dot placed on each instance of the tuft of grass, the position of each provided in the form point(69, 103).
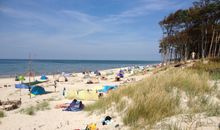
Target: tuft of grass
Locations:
point(154, 98)
point(212, 67)
point(218, 95)
point(31, 110)
point(42, 106)
point(213, 110)
point(173, 127)
point(2, 114)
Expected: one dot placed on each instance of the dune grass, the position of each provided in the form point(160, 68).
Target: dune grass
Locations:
point(212, 67)
point(2, 114)
point(31, 110)
point(158, 97)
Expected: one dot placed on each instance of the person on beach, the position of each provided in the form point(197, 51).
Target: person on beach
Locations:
point(64, 91)
point(193, 55)
point(55, 85)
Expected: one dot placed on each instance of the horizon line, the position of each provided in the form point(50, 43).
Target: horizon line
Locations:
point(77, 59)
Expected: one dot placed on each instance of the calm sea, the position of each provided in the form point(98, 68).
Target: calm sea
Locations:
point(11, 67)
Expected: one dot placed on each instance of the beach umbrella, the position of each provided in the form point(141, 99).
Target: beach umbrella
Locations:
point(21, 78)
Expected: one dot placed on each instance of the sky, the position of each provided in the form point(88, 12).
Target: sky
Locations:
point(83, 29)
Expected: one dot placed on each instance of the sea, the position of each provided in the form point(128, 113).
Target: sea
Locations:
point(12, 67)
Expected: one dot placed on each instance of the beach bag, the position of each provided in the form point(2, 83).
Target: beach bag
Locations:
point(91, 126)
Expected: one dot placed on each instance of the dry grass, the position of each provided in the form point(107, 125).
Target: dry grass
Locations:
point(31, 110)
point(212, 67)
point(156, 97)
point(2, 114)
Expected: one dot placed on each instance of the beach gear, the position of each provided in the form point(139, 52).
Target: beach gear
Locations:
point(75, 106)
point(120, 75)
point(107, 120)
point(107, 88)
point(37, 90)
point(21, 78)
point(21, 86)
point(91, 126)
point(89, 95)
point(43, 77)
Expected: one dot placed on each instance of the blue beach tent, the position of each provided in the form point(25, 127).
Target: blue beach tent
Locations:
point(37, 90)
point(106, 88)
point(43, 77)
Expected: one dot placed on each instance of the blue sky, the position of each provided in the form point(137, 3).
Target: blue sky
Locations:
point(83, 29)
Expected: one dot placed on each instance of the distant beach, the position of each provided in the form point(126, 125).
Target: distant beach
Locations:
point(12, 67)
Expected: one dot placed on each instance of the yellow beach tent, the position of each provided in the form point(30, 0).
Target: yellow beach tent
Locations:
point(89, 95)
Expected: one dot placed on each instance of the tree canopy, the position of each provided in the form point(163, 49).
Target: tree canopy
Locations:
point(193, 30)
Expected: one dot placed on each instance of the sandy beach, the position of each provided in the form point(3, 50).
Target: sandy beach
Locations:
point(54, 119)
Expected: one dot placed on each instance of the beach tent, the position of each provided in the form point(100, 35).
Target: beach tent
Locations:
point(21, 78)
point(37, 90)
point(106, 88)
point(89, 95)
point(21, 86)
point(43, 77)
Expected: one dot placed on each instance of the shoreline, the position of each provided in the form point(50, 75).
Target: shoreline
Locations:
point(2, 76)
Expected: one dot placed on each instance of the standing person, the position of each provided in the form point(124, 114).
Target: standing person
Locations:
point(193, 55)
point(55, 85)
point(64, 91)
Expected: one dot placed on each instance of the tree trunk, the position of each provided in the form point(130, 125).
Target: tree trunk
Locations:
point(216, 45)
point(210, 48)
point(202, 46)
point(185, 57)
